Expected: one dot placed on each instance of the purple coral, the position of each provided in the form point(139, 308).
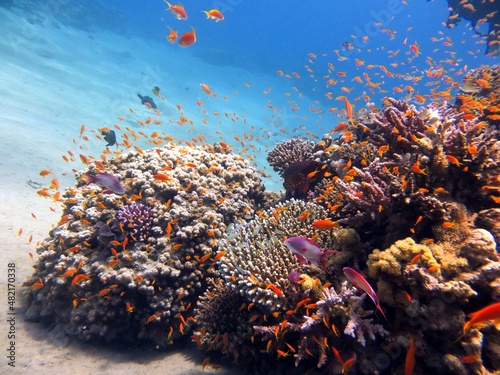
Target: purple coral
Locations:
point(137, 219)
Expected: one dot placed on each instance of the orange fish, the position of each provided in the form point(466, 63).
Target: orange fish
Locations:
point(162, 177)
point(275, 289)
point(172, 37)
point(205, 88)
point(491, 312)
point(214, 14)
point(410, 357)
point(348, 108)
point(325, 224)
point(453, 160)
point(178, 11)
point(44, 172)
point(188, 38)
point(348, 364)
point(79, 278)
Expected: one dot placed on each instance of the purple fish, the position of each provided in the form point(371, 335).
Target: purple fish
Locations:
point(112, 183)
point(362, 285)
point(307, 250)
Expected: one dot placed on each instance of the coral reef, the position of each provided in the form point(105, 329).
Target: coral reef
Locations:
point(286, 153)
point(401, 167)
point(133, 266)
point(407, 196)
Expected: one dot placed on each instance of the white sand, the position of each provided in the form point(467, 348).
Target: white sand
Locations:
point(53, 80)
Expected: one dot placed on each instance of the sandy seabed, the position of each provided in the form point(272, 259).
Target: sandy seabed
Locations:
point(53, 80)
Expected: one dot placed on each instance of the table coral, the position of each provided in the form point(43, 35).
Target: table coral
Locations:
point(132, 266)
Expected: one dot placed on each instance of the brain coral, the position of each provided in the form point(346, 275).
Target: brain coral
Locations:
point(256, 256)
point(96, 282)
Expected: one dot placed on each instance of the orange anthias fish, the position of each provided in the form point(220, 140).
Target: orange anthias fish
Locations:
point(491, 312)
point(214, 14)
point(410, 357)
point(325, 224)
point(172, 37)
point(178, 11)
point(205, 88)
point(188, 38)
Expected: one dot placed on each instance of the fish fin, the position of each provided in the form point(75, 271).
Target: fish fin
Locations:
point(108, 191)
point(382, 311)
point(324, 258)
point(91, 179)
point(301, 259)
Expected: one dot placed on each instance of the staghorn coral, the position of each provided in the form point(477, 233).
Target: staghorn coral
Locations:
point(359, 325)
point(98, 283)
point(286, 153)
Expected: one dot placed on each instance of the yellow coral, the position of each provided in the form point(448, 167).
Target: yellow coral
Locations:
point(308, 283)
point(392, 260)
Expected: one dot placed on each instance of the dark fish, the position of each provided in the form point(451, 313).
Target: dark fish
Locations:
point(110, 137)
point(147, 99)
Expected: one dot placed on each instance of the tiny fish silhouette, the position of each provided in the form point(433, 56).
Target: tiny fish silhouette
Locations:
point(110, 137)
point(147, 99)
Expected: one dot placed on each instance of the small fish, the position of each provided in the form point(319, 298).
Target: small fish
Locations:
point(178, 11)
point(325, 224)
point(188, 38)
point(112, 183)
point(205, 88)
point(172, 37)
point(214, 14)
point(361, 284)
point(147, 100)
point(348, 364)
point(410, 357)
point(491, 312)
point(307, 250)
point(110, 137)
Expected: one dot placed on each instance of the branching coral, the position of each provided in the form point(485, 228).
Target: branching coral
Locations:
point(222, 315)
point(137, 219)
point(286, 153)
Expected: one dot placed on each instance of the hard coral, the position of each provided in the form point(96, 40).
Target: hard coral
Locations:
point(257, 258)
point(289, 152)
point(137, 219)
point(299, 177)
point(98, 283)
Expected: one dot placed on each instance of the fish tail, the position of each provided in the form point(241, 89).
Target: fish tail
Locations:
point(379, 308)
point(90, 178)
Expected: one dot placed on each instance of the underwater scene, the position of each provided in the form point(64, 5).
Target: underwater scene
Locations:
point(250, 187)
